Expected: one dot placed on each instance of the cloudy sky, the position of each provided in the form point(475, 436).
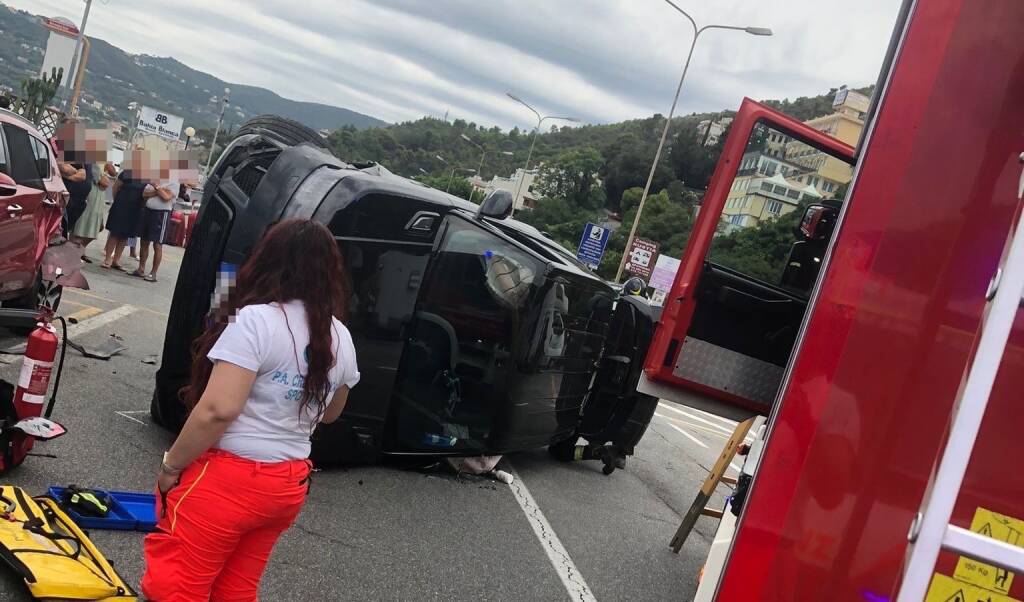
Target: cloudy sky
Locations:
point(599, 60)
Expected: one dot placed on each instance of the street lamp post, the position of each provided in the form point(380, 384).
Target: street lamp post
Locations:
point(536, 130)
point(480, 169)
point(757, 31)
point(189, 133)
point(451, 176)
point(220, 120)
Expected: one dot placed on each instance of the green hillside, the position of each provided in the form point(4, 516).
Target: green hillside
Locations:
point(115, 78)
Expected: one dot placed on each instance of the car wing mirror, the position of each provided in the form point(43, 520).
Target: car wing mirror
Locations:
point(496, 205)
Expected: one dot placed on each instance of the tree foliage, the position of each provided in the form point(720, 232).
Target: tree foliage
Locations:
point(572, 176)
point(760, 252)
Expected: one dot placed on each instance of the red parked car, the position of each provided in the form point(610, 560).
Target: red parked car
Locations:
point(32, 201)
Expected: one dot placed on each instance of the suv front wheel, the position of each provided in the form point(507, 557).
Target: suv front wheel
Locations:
point(37, 297)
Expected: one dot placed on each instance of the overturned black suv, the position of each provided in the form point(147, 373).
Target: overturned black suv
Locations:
point(475, 333)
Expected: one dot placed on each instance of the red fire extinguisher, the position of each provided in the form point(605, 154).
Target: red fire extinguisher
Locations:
point(36, 369)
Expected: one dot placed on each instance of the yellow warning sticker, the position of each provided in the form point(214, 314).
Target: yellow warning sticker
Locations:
point(947, 589)
point(1000, 527)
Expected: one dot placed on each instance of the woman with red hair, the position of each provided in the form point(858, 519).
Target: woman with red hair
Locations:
point(275, 361)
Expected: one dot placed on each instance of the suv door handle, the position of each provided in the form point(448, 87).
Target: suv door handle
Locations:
point(15, 208)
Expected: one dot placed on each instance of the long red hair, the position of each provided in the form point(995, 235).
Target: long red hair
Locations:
point(296, 260)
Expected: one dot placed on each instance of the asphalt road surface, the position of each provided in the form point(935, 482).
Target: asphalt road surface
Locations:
point(383, 533)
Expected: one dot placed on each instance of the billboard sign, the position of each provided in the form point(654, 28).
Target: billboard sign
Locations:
point(592, 245)
point(159, 123)
point(640, 258)
point(60, 48)
point(664, 273)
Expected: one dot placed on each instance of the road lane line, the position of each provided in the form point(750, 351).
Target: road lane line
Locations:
point(77, 291)
point(692, 425)
point(103, 319)
point(699, 419)
point(571, 577)
point(748, 438)
point(689, 436)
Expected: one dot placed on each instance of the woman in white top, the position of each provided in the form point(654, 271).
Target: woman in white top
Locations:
point(274, 362)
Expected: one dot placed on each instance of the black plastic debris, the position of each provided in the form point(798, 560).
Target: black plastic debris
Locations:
point(110, 347)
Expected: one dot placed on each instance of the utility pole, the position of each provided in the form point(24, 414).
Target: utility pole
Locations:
point(220, 120)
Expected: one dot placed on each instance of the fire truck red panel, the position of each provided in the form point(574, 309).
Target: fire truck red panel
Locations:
point(869, 396)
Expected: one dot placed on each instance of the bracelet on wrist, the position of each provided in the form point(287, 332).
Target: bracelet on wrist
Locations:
point(168, 469)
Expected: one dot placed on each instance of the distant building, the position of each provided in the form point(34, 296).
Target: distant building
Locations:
point(824, 172)
point(526, 199)
point(709, 132)
point(757, 197)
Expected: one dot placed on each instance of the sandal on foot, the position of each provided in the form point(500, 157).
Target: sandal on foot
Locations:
point(137, 274)
point(149, 278)
point(116, 267)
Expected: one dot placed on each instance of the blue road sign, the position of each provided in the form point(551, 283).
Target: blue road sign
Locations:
point(591, 249)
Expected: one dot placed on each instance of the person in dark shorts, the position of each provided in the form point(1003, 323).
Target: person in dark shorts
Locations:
point(156, 219)
point(125, 212)
point(78, 185)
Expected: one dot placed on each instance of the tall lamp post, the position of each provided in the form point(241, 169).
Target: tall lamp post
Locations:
point(189, 133)
point(480, 169)
point(451, 176)
point(536, 130)
point(220, 120)
point(756, 31)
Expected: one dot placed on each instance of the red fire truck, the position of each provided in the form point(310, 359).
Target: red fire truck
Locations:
point(892, 326)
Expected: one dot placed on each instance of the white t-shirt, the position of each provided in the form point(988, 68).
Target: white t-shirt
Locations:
point(155, 202)
point(272, 427)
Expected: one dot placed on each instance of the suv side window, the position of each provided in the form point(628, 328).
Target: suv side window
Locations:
point(4, 167)
point(21, 157)
point(42, 158)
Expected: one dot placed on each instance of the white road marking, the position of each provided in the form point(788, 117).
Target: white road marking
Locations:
point(103, 319)
point(715, 425)
point(126, 414)
point(733, 466)
point(571, 577)
point(729, 431)
point(689, 436)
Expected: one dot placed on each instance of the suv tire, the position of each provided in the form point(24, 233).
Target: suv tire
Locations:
point(33, 299)
point(282, 129)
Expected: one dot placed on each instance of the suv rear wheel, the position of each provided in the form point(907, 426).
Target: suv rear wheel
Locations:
point(282, 129)
point(36, 297)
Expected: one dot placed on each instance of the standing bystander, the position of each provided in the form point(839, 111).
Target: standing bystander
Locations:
point(156, 217)
point(129, 197)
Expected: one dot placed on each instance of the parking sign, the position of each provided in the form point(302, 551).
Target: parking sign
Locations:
point(592, 245)
point(640, 258)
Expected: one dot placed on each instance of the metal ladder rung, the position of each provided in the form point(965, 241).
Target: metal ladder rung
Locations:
point(983, 549)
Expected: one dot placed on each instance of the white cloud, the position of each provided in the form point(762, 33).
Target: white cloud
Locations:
point(602, 60)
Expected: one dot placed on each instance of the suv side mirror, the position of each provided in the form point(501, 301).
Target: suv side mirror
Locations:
point(7, 185)
point(496, 205)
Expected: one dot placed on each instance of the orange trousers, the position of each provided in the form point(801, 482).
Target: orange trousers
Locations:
point(216, 529)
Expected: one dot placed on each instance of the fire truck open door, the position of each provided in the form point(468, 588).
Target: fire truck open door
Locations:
point(730, 321)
